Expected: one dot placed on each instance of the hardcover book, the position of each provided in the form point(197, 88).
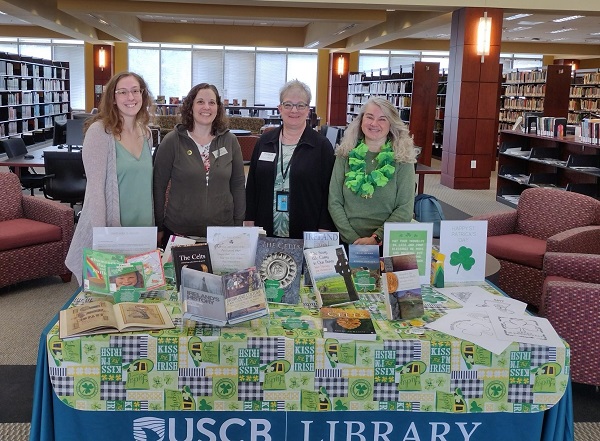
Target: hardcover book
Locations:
point(353, 324)
point(222, 300)
point(194, 256)
point(102, 317)
point(231, 248)
point(317, 239)
point(331, 275)
point(402, 288)
point(279, 264)
point(365, 267)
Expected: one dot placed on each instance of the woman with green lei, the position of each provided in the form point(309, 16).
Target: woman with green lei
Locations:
point(373, 179)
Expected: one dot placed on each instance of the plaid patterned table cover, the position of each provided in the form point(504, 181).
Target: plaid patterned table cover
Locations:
point(282, 362)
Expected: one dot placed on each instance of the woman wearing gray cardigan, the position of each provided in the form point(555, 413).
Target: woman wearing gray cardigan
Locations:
point(118, 165)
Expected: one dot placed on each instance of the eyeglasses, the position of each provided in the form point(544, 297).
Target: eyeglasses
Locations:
point(289, 106)
point(125, 92)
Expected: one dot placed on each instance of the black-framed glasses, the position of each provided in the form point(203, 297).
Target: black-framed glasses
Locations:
point(289, 106)
point(126, 92)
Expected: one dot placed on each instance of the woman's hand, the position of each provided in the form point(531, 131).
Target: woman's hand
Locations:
point(366, 241)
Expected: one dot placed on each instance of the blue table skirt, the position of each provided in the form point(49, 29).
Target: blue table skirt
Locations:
point(52, 420)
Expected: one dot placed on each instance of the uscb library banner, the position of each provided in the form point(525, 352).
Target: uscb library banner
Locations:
point(293, 426)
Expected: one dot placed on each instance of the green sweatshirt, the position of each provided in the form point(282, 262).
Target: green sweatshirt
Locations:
point(355, 216)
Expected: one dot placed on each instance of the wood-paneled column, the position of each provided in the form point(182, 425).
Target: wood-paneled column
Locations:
point(102, 74)
point(472, 101)
point(338, 90)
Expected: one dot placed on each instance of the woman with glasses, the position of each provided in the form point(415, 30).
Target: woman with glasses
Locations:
point(373, 180)
point(288, 180)
point(202, 162)
point(118, 164)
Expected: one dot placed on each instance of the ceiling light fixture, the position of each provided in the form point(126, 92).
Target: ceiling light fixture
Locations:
point(102, 58)
point(484, 35)
point(341, 31)
point(558, 31)
point(313, 44)
point(571, 17)
point(341, 65)
point(516, 17)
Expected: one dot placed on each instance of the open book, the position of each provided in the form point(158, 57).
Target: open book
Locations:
point(103, 317)
point(221, 300)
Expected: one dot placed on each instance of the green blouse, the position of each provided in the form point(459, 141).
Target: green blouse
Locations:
point(134, 176)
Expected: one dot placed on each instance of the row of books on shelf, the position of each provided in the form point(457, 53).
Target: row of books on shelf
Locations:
point(590, 130)
point(588, 92)
point(546, 125)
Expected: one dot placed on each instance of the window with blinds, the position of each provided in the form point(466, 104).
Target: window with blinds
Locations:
point(74, 55)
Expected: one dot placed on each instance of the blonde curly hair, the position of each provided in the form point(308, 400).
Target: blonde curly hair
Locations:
point(402, 143)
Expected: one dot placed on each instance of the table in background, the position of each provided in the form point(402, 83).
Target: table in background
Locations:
point(20, 161)
point(272, 376)
point(421, 171)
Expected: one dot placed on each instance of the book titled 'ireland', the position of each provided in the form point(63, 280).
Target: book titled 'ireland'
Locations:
point(331, 275)
point(279, 264)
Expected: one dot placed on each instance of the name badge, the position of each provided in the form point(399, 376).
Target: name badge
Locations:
point(221, 152)
point(282, 201)
point(266, 156)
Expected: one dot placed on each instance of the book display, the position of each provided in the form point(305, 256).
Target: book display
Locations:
point(545, 91)
point(34, 94)
point(527, 160)
point(347, 324)
point(317, 239)
point(584, 95)
point(103, 317)
point(222, 300)
point(194, 256)
point(412, 89)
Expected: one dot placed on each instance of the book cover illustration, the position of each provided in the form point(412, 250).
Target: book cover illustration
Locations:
point(402, 287)
point(95, 265)
point(331, 275)
point(279, 264)
point(231, 248)
point(365, 267)
point(153, 273)
point(318, 239)
point(126, 277)
point(347, 324)
point(195, 256)
point(221, 300)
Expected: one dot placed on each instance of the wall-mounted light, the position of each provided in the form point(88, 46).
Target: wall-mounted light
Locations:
point(341, 66)
point(102, 58)
point(484, 35)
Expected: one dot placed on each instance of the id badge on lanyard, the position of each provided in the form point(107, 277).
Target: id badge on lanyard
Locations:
point(282, 196)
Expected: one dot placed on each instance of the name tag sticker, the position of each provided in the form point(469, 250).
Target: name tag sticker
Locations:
point(221, 152)
point(266, 156)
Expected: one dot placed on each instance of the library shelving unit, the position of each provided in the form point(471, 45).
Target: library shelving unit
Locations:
point(440, 108)
point(545, 90)
point(527, 160)
point(411, 89)
point(584, 96)
point(34, 93)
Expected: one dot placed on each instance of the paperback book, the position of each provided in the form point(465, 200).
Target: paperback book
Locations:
point(231, 248)
point(152, 268)
point(222, 300)
point(95, 269)
point(365, 267)
point(195, 256)
point(279, 264)
point(349, 324)
point(402, 288)
point(318, 239)
point(332, 278)
point(103, 317)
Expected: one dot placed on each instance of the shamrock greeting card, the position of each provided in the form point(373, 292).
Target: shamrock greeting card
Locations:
point(464, 244)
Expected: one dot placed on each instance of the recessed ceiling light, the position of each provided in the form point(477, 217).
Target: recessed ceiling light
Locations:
point(183, 21)
point(2, 13)
point(517, 16)
point(595, 33)
point(530, 23)
point(571, 17)
point(519, 28)
point(558, 39)
point(558, 31)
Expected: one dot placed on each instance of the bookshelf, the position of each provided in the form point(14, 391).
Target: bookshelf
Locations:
point(544, 90)
point(440, 109)
point(34, 93)
point(527, 160)
point(411, 89)
point(584, 95)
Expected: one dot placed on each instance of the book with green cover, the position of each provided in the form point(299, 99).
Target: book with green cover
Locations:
point(95, 269)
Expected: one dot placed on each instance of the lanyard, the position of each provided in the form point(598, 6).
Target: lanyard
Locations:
point(287, 169)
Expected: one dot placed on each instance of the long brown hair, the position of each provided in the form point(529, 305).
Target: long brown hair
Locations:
point(108, 111)
point(187, 113)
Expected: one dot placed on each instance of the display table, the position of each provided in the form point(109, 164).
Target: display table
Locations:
point(276, 378)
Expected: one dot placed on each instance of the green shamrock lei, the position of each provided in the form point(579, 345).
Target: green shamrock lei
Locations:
point(361, 183)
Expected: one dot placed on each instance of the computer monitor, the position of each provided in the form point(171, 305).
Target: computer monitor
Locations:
point(75, 132)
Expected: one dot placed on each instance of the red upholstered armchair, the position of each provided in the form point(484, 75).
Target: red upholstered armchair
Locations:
point(35, 235)
point(247, 144)
point(545, 220)
point(571, 301)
